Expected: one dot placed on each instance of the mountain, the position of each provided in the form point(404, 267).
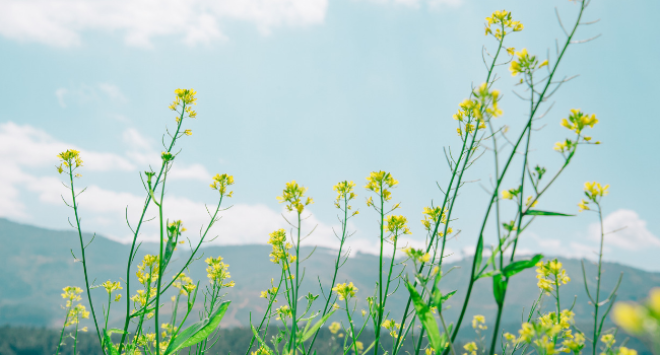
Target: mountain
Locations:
point(36, 263)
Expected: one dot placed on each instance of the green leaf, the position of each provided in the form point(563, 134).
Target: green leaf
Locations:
point(478, 254)
point(499, 288)
point(263, 343)
point(446, 297)
point(520, 265)
point(546, 213)
point(112, 350)
point(309, 332)
point(115, 331)
point(428, 321)
point(198, 331)
point(489, 274)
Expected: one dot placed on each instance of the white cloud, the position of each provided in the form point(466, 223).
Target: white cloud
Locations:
point(62, 22)
point(625, 229)
point(113, 92)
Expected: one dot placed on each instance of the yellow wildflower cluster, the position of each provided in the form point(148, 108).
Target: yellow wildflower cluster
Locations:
point(345, 291)
point(433, 215)
point(185, 97)
point(417, 255)
point(71, 294)
point(523, 63)
point(345, 192)
point(111, 286)
point(504, 20)
point(284, 312)
point(184, 283)
point(551, 334)
point(594, 192)
point(293, 195)
point(280, 247)
point(392, 326)
point(217, 271)
point(479, 322)
point(220, 183)
point(397, 225)
point(69, 159)
point(510, 194)
point(334, 327)
point(263, 350)
point(148, 270)
point(75, 314)
point(271, 292)
point(640, 319)
point(469, 109)
point(551, 274)
point(578, 120)
point(380, 182)
point(489, 99)
point(471, 348)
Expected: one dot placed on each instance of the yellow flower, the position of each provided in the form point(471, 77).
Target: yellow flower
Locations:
point(217, 271)
point(578, 120)
point(334, 327)
point(392, 326)
point(111, 286)
point(583, 205)
point(594, 190)
point(397, 224)
point(479, 321)
point(471, 347)
point(221, 182)
point(292, 195)
point(507, 195)
point(70, 159)
point(629, 316)
point(380, 182)
point(284, 312)
point(502, 19)
point(188, 132)
point(345, 291)
point(625, 351)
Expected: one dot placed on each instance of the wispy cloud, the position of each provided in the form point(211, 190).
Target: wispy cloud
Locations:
point(62, 22)
point(625, 229)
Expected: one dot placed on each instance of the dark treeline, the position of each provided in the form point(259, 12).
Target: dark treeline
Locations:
point(43, 341)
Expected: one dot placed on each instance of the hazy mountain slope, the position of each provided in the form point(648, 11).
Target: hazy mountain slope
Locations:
point(36, 263)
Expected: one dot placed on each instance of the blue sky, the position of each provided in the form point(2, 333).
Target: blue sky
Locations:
point(317, 91)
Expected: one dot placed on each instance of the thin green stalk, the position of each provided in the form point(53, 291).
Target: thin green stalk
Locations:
point(161, 267)
point(59, 344)
point(380, 305)
point(350, 322)
point(334, 276)
point(137, 231)
point(294, 300)
point(84, 259)
point(600, 263)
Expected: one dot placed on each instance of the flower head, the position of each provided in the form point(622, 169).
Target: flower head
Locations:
point(69, 159)
point(221, 182)
point(293, 195)
point(345, 291)
point(503, 21)
point(111, 286)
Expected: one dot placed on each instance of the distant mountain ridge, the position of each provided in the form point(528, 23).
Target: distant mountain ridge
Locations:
point(36, 263)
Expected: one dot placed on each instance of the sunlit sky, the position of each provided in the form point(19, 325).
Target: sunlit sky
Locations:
point(318, 91)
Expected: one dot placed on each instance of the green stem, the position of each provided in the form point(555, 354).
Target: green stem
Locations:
point(161, 267)
point(380, 304)
point(600, 263)
point(137, 230)
point(59, 344)
point(84, 259)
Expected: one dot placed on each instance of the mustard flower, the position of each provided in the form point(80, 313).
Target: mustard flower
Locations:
point(397, 224)
point(417, 255)
point(578, 120)
point(334, 327)
point(75, 314)
point(217, 271)
point(111, 286)
point(293, 195)
point(471, 348)
point(479, 321)
point(69, 159)
point(523, 63)
point(380, 182)
point(345, 291)
point(504, 20)
point(392, 326)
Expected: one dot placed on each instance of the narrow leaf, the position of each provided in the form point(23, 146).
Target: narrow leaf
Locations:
point(425, 316)
point(198, 331)
point(308, 334)
point(520, 265)
point(499, 289)
point(112, 350)
point(546, 213)
point(478, 254)
point(263, 343)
